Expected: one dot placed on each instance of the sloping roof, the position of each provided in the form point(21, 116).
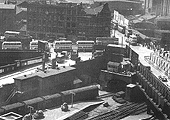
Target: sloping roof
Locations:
point(7, 6)
point(22, 3)
point(148, 16)
point(81, 1)
point(113, 63)
point(93, 11)
point(117, 1)
point(19, 9)
point(163, 18)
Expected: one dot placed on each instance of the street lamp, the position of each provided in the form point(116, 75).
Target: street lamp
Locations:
point(72, 98)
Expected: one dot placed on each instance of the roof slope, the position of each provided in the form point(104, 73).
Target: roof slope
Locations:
point(94, 11)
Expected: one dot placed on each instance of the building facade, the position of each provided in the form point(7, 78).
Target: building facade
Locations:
point(67, 20)
point(153, 7)
point(7, 17)
point(124, 7)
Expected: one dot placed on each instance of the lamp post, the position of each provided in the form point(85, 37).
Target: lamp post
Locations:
point(72, 98)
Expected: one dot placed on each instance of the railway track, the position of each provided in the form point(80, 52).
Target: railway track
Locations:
point(121, 112)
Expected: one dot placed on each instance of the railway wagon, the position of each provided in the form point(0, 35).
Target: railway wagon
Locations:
point(8, 68)
point(18, 64)
point(81, 94)
point(52, 100)
point(15, 107)
point(35, 103)
point(41, 103)
point(2, 111)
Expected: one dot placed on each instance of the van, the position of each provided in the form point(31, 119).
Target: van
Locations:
point(133, 39)
point(129, 32)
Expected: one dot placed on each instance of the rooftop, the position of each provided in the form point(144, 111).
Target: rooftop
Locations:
point(7, 6)
point(93, 11)
point(47, 73)
point(118, 46)
point(117, 1)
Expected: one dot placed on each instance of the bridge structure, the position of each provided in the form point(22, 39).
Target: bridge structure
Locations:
point(157, 92)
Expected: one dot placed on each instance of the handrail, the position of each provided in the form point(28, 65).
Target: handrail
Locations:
point(13, 92)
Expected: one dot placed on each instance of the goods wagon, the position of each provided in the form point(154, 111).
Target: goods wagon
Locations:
point(52, 100)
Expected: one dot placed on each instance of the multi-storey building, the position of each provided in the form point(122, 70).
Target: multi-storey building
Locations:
point(153, 6)
point(124, 7)
point(94, 22)
point(7, 17)
point(46, 19)
point(67, 20)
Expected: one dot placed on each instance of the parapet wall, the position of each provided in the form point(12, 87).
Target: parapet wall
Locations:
point(161, 61)
point(156, 90)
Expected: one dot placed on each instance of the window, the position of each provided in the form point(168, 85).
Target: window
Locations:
point(74, 11)
point(54, 29)
point(62, 11)
point(60, 24)
point(74, 19)
point(68, 18)
point(68, 24)
point(61, 17)
point(69, 12)
point(73, 25)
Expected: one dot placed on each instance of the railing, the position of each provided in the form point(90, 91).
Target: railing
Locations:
point(154, 81)
point(13, 91)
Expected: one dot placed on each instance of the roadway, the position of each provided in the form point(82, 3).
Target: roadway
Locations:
point(142, 52)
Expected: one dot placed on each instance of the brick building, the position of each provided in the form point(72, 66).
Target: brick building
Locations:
point(95, 22)
point(124, 7)
point(44, 83)
point(67, 20)
point(7, 17)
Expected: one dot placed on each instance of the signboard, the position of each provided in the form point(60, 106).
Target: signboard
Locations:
point(116, 15)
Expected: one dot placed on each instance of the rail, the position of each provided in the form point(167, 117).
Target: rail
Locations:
point(121, 112)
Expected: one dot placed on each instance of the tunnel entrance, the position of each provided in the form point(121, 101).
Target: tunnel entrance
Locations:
point(116, 85)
